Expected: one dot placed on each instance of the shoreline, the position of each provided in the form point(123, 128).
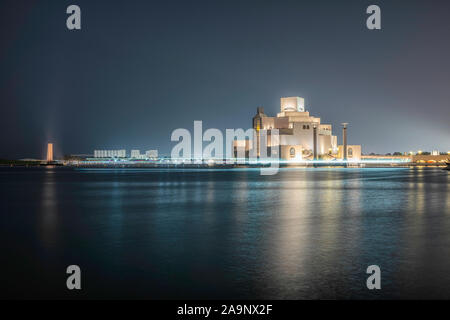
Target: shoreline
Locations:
point(225, 166)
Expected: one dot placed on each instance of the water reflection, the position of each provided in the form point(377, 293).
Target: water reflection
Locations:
point(290, 236)
point(49, 210)
point(303, 233)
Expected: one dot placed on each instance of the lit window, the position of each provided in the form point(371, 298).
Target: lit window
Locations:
point(292, 152)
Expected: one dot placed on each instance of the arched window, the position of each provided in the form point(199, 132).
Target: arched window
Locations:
point(350, 152)
point(292, 152)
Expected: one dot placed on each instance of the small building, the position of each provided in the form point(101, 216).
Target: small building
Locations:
point(151, 154)
point(110, 153)
point(135, 154)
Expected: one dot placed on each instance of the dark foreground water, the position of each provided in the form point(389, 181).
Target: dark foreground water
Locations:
point(303, 233)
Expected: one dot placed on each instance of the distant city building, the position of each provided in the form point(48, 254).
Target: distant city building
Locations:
point(110, 153)
point(50, 152)
point(149, 154)
point(435, 153)
point(136, 154)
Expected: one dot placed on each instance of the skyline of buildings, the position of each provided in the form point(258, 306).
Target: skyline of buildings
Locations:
point(300, 137)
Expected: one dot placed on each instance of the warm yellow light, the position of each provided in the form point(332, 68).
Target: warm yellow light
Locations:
point(50, 152)
point(419, 152)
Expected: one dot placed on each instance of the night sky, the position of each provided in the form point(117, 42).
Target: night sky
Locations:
point(137, 70)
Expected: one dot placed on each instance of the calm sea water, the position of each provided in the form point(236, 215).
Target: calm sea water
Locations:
point(301, 234)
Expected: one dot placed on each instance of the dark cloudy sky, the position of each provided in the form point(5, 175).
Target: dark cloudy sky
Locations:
point(139, 69)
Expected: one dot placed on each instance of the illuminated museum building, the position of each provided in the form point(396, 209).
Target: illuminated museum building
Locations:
point(301, 136)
